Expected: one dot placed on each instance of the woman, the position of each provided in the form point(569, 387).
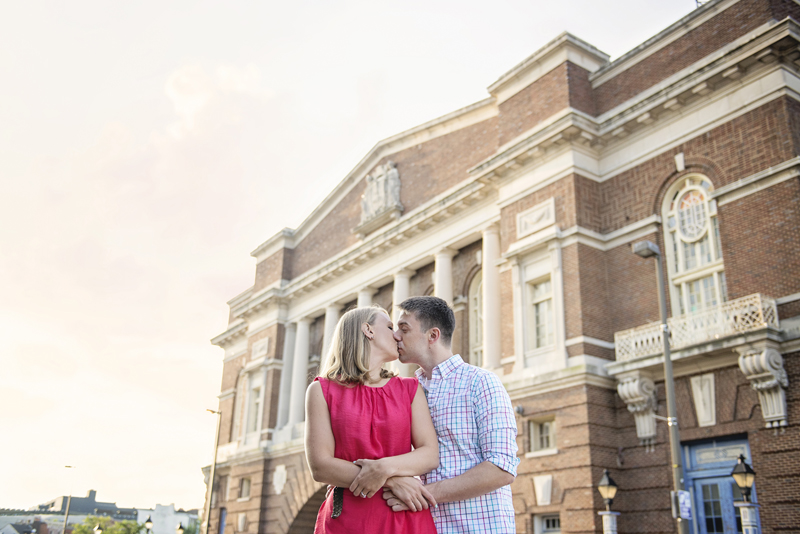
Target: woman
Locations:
point(361, 422)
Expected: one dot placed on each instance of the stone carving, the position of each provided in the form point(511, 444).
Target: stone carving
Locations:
point(279, 479)
point(764, 369)
point(639, 393)
point(381, 200)
point(536, 218)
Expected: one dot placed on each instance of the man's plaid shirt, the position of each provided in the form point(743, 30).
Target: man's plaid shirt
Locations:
point(474, 421)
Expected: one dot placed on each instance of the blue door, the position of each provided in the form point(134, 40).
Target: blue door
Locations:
point(708, 469)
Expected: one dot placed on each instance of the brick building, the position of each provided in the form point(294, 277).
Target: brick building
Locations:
point(520, 210)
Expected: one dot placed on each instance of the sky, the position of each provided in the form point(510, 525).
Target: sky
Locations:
point(148, 147)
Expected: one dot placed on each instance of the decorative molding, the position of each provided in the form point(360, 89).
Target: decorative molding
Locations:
point(543, 487)
point(704, 397)
point(536, 218)
point(764, 369)
point(787, 299)
point(639, 393)
point(226, 394)
point(757, 182)
point(586, 340)
point(260, 349)
point(380, 203)
point(235, 330)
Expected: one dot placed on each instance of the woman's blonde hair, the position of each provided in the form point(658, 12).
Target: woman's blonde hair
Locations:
point(347, 361)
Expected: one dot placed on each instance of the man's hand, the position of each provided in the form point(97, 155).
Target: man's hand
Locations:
point(407, 493)
point(371, 478)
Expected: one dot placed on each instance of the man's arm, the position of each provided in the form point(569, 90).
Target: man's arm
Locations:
point(497, 433)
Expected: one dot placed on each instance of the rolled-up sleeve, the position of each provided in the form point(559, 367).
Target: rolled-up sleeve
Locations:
point(497, 426)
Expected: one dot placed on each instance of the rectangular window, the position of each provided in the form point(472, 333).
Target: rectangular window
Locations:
point(252, 411)
point(551, 524)
point(709, 291)
point(705, 251)
point(541, 330)
point(541, 435)
point(241, 522)
point(244, 488)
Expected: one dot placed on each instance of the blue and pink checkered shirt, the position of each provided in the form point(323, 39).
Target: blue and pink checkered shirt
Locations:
point(474, 421)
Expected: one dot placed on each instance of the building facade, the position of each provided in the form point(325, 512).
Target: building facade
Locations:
point(520, 210)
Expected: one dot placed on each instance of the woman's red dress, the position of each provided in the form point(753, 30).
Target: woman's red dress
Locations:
point(370, 423)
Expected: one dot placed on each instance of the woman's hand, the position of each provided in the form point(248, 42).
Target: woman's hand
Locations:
point(372, 477)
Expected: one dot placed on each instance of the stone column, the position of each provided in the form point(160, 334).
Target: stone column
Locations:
point(332, 314)
point(401, 290)
point(490, 274)
point(285, 393)
point(299, 372)
point(443, 285)
point(365, 296)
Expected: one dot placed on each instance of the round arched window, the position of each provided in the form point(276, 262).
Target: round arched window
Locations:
point(693, 246)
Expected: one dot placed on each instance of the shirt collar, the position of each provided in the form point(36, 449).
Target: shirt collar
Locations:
point(445, 368)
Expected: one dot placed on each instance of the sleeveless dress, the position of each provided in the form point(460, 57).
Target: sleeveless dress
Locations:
point(370, 423)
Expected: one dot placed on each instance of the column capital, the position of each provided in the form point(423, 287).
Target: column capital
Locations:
point(493, 228)
point(405, 272)
point(446, 251)
point(305, 319)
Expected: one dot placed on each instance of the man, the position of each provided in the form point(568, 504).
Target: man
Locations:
point(475, 424)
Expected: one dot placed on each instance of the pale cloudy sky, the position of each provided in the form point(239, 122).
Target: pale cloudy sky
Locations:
point(147, 147)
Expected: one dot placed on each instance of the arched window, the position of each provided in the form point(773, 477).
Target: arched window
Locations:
point(694, 254)
point(475, 307)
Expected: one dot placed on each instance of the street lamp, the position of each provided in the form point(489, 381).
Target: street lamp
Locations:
point(148, 524)
point(69, 501)
point(648, 249)
point(179, 528)
point(608, 490)
point(98, 529)
point(207, 511)
point(744, 476)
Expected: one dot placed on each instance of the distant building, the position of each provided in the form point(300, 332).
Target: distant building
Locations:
point(89, 506)
point(166, 519)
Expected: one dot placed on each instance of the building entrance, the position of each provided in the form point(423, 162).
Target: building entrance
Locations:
point(708, 470)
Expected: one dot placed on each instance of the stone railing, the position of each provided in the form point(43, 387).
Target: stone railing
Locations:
point(731, 318)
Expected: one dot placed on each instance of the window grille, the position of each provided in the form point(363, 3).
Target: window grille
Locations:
point(541, 323)
point(541, 435)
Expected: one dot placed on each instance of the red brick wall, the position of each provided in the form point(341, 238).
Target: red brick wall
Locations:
point(761, 241)
point(739, 148)
point(540, 100)
point(272, 269)
point(698, 43)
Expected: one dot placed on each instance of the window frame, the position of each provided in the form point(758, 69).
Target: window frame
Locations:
point(681, 277)
point(533, 436)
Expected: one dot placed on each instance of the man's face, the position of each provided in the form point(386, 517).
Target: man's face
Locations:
point(411, 340)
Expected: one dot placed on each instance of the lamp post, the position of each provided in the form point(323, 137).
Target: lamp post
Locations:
point(744, 476)
point(608, 490)
point(98, 529)
point(179, 529)
point(69, 501)
point(207, 511)
point(648, 249)
point(148, 524)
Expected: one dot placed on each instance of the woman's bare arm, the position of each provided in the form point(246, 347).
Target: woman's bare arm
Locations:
point(424, 457)
point(320, 443)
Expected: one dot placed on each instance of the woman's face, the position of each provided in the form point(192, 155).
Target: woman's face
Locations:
point(383, 347)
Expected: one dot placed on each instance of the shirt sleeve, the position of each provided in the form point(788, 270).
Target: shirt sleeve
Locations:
point(497, 426)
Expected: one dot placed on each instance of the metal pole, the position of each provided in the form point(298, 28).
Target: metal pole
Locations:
point(672, 410)
point(66, 515)
point(207, 512)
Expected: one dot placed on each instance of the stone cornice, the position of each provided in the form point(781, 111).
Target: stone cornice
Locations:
point(565, 47)
point(234, 332)
point(283, 239)
point(775, 44)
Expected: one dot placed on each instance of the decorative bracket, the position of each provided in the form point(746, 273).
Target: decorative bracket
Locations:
point(639, 393)
point(764, 369)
